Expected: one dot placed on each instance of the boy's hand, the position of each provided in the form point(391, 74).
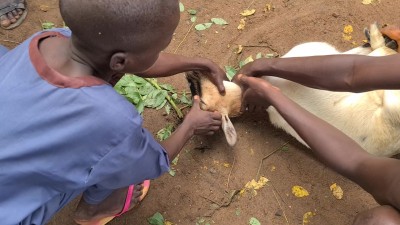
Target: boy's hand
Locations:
point(202, 122)
point(216, 75)
point(255, 92)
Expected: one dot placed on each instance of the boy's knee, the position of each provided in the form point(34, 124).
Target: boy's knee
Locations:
point(381, 215)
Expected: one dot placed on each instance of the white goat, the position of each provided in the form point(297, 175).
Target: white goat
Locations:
point(372, 118)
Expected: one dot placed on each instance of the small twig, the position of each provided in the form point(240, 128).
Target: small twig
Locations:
point(266, 157)
point(229, 176)
point(187, 33)
point(284, 214)
point(184, 107)
point(250, 4)
point(10, 41)
point(169, 99)
point(212, 201)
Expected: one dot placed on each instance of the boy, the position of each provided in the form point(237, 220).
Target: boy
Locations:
point(379, 176)
point(65, 131)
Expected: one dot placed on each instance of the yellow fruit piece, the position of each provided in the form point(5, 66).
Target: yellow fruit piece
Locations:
point(336, 191)
point(299, 191)
point(248, 12)
point(227, 165)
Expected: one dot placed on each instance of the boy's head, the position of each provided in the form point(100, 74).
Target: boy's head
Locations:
point(125, 35)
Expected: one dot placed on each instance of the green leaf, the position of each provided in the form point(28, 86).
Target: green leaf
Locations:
point(181, 7)
point(259, 55)
point(140, 106)
point(167, 87)
point(192, 12)
point(156, 219)
point(203, 26)
point(165, 132)
point(48, 25)
point(230, 72)
point(167, 109)
point(193, 19)
point(185, 100)
point(175, 161)
point(254, 221)
point(136, 98)
point(172, 172)
point(219, 21)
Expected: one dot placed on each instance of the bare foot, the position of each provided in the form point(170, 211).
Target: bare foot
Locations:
point(8, 18)
point(111, 206)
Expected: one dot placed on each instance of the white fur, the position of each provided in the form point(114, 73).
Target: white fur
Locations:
point(372, 119)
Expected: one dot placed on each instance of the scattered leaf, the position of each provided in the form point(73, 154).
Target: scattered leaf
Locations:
point(192, 12)
point(219, 21)
point(48, 25)
point(203, 26)
point(172, 172)
point(307, 217)
point(299, 191)
point(237, 212)
point(336, 191)
point(259, 55)
point(267, 8)
point(181, 7)
point(242, 24)
point(175, 161)
point(193, 19)
point(367, 2)
point(239, 49)
point(164, 133)
point(254, 221)
point(156, 219)
point(44, 8)
point(230, 72)
point(248, 12)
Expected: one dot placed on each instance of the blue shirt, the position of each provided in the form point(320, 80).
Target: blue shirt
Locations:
point(65, 135)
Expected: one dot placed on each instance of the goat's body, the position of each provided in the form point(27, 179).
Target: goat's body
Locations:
point(371, 118)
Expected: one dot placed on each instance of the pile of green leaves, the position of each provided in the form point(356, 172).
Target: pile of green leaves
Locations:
point(147, 93)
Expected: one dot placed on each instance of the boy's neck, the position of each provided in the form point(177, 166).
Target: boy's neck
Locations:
point(63, 57)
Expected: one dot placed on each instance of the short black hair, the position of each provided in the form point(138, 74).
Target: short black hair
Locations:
point(117, 23)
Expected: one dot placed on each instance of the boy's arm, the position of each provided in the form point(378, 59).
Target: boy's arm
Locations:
point(355, 73)
point(169, 64)
point(379, 176)
point(196, 122)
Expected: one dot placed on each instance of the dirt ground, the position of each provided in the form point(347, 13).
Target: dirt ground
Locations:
point(199, 191)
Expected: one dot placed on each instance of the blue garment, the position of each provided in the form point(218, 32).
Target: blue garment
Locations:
point(61, 136)
point(3, 50)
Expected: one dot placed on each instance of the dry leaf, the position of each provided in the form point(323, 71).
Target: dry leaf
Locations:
point(44, 8)
point(240, 49)
point(307, 216)
point(336, 191)
point(242, 23)
point(248, 12)
point(367, 2)
point(299, 191)
point(268, 7)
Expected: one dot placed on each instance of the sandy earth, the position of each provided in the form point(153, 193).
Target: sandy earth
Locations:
point(202, 181)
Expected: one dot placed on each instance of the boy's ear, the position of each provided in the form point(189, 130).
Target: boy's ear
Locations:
point(118, 61)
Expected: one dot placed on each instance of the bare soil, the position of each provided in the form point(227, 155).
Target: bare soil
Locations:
point(199, 191)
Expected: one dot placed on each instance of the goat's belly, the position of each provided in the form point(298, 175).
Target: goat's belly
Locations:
point(356, 115)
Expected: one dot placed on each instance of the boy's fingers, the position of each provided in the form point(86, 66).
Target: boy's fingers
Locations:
point(196, 101)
